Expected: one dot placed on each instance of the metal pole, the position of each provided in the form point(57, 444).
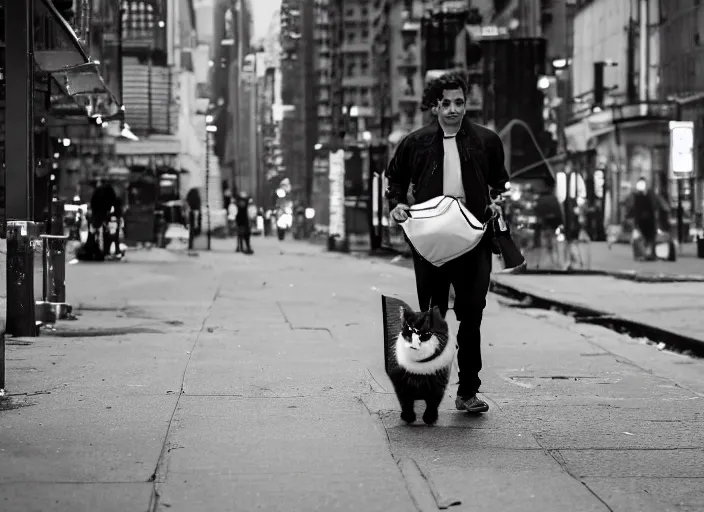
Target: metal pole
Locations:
point(680, 211)
point(120, 67)
point(19, 55)
point(238, 92)
point(207, 185)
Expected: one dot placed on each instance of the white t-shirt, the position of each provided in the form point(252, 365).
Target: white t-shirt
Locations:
point(452, 169)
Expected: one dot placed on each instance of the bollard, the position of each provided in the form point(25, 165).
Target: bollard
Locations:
point(54, 304)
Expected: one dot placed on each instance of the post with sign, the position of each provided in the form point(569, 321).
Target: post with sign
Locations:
point(19, 205)
point(681, 164)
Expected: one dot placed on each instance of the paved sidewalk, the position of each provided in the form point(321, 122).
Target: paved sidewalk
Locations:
point(233, 382)
point(672, 307)
point(619, 258)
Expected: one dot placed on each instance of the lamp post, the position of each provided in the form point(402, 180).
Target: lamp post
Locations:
point(209, 128)
point(19, 206)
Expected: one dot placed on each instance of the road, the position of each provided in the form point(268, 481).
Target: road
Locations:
point(233, 382)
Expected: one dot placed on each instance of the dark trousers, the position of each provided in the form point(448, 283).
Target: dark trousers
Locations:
point(244, 235)
point(469, 275)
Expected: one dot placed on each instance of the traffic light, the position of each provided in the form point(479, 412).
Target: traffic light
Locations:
point(65, 8)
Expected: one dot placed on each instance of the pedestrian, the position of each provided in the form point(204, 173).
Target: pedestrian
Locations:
point(549, 219)
point(647, 212)
point(103, 203)
point(452, 157)
point(244, 230)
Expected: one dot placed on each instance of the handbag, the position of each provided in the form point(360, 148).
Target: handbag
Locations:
point(442, 229)
point(509, 255)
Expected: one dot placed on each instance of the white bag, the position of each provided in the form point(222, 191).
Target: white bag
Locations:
point(442, 229)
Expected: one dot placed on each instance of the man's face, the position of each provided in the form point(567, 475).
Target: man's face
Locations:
point(451, 107)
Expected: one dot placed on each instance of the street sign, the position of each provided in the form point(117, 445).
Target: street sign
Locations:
point(681, 148)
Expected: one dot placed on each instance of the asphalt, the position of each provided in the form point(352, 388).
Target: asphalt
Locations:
point(233, 382)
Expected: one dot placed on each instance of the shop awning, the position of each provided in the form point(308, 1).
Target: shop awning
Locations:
point(77, 89)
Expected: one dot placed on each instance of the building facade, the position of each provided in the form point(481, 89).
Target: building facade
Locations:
point(628, 134)
point(298, 95)
point(681, 79)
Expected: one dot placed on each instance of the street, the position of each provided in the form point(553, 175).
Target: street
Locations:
point(240, 383)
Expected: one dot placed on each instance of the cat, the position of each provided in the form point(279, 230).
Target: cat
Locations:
point(420, 360)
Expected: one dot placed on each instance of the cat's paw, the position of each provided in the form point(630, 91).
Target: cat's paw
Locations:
point(408, 416)
point(430, 416)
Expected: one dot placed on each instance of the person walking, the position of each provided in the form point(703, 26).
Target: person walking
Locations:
point(647, 212)
point(244, 229)
point(452, 157)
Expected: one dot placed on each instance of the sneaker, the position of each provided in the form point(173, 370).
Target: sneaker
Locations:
point(471, 404)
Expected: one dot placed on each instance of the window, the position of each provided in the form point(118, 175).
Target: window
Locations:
point(350, 37)
point(351, 68)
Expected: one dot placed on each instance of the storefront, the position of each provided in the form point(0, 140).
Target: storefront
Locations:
point(609, 152)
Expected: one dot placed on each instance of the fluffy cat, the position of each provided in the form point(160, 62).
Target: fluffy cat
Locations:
point(419, 362)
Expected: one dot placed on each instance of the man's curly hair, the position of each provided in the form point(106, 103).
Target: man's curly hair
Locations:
point(434, 90)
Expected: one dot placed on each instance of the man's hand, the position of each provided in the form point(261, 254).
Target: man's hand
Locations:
point(400, 213)
point(495, 207)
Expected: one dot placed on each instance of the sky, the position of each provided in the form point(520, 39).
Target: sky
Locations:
point(262, 11)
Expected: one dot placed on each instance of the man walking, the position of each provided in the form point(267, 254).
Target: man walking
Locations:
point(452, 157)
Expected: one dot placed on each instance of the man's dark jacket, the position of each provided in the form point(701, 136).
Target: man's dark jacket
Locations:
point(419, 161)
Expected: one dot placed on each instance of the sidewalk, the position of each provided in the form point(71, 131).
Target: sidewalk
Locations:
point(233, 382)
point(619, 259)
point(674, 308)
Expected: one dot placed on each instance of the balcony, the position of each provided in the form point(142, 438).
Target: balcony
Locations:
point(149, 97)
point(645, 111)
point(355, 48)
point(360, 81)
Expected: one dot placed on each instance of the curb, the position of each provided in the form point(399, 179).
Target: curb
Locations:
point(606, 319)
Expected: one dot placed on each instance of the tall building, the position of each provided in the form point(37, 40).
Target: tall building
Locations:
point(323, 71)
point(298, 90)
point(270, 120)
point(406, 66)
point(231, 29)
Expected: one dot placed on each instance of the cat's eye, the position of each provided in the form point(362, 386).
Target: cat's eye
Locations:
point(425, 336)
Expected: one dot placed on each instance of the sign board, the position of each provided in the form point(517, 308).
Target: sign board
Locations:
point(480, 31)
point(681, 148)
point(337, 193)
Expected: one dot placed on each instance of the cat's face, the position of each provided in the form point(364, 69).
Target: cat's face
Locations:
point(423, 332)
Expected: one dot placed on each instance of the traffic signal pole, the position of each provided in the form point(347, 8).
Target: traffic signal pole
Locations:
point(19, 204)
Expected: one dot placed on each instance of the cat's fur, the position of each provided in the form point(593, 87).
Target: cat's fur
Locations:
point(420, 362)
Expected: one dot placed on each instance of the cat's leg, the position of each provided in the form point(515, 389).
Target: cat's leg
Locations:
point(432, 403)
point(407, 403)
